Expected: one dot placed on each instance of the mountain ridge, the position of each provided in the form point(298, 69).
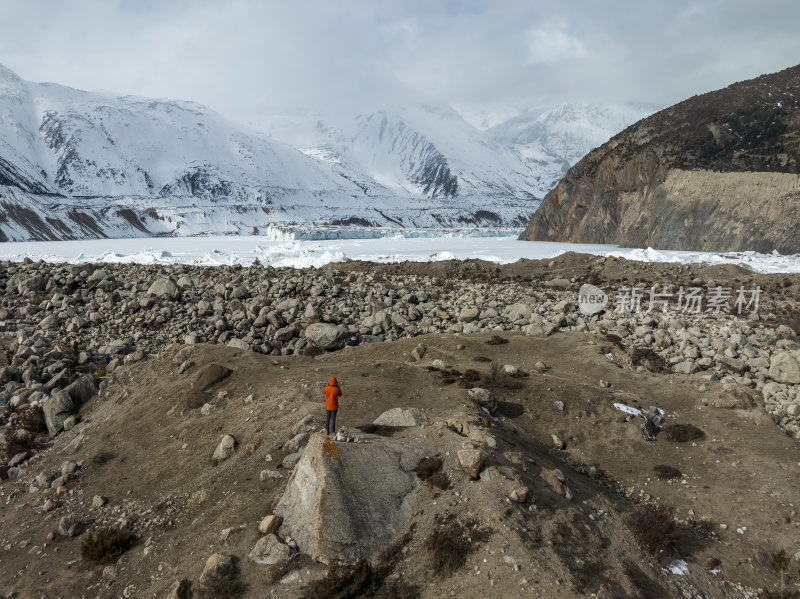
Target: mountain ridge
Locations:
point(79, 164)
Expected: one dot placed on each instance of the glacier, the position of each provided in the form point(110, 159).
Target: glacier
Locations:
point(282, 249)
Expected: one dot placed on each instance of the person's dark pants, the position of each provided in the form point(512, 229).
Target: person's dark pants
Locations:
point(330, 420)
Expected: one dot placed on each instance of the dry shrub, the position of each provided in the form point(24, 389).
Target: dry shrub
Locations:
point(22, 431)
point(471, 375)
point(222, 586)
point(667, 472)
point(451, 542)
point(795, 324)
point(253, 445)
point(650, 359)
point(496, 340)
point(364, 579)
point(102, 457)
point(654, 528)
point(14, 441)
point(31, 418)
point(499, 377)
point(430, 470)
point(779, 562)
point(682, 432)
point(106, 545)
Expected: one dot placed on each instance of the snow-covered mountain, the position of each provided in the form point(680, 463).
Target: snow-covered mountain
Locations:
point(418, 151)
point(551, 141)
point(78, 164)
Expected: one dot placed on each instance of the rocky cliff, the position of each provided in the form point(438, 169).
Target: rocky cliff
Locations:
point(716, 172)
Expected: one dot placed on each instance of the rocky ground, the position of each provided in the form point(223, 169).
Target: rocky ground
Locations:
point(180, 407)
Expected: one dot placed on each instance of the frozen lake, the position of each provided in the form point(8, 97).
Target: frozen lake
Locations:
point(392, 248)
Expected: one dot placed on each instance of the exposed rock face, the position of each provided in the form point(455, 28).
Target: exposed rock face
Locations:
point(716, 172)
point(347, 500)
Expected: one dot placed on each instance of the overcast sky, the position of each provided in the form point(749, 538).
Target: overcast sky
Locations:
point(246, 58)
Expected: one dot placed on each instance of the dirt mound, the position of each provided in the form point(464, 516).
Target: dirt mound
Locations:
point(536, 520)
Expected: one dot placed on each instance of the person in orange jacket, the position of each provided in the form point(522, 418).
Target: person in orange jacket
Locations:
point(332, 395)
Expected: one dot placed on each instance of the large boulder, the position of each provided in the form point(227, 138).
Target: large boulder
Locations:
point(165, 287)
point(31, 284)
point(326, 336)
point(518, 311)
point(81, 390)
point(349, 500)
point(50, 322)
point(401, 417)
point(57, 408)
point(785, 367)
point(269, 551)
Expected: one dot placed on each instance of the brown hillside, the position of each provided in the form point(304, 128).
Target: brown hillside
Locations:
point(716, 172)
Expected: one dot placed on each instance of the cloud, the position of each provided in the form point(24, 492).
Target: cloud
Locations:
point(551, 44)
point(251, 57)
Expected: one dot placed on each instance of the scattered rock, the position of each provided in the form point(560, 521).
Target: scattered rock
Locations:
point(82, 390)
point(784, 367)
point(471, 461)
point(180, 589)
point(219, 566)
point(225, 449)
point(294, 444)
point(269, 475)
point(555, 480)
point(519, 494)
point(69, 526)
point(290, 461)
point(269, 551)
point(483, 398)
point(269, 524)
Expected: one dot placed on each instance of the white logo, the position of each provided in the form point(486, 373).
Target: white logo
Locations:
point(591, 299)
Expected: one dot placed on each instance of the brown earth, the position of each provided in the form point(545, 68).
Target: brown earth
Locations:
point(155, 466)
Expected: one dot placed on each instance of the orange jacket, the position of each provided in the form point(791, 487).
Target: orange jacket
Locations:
point(332, 394)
